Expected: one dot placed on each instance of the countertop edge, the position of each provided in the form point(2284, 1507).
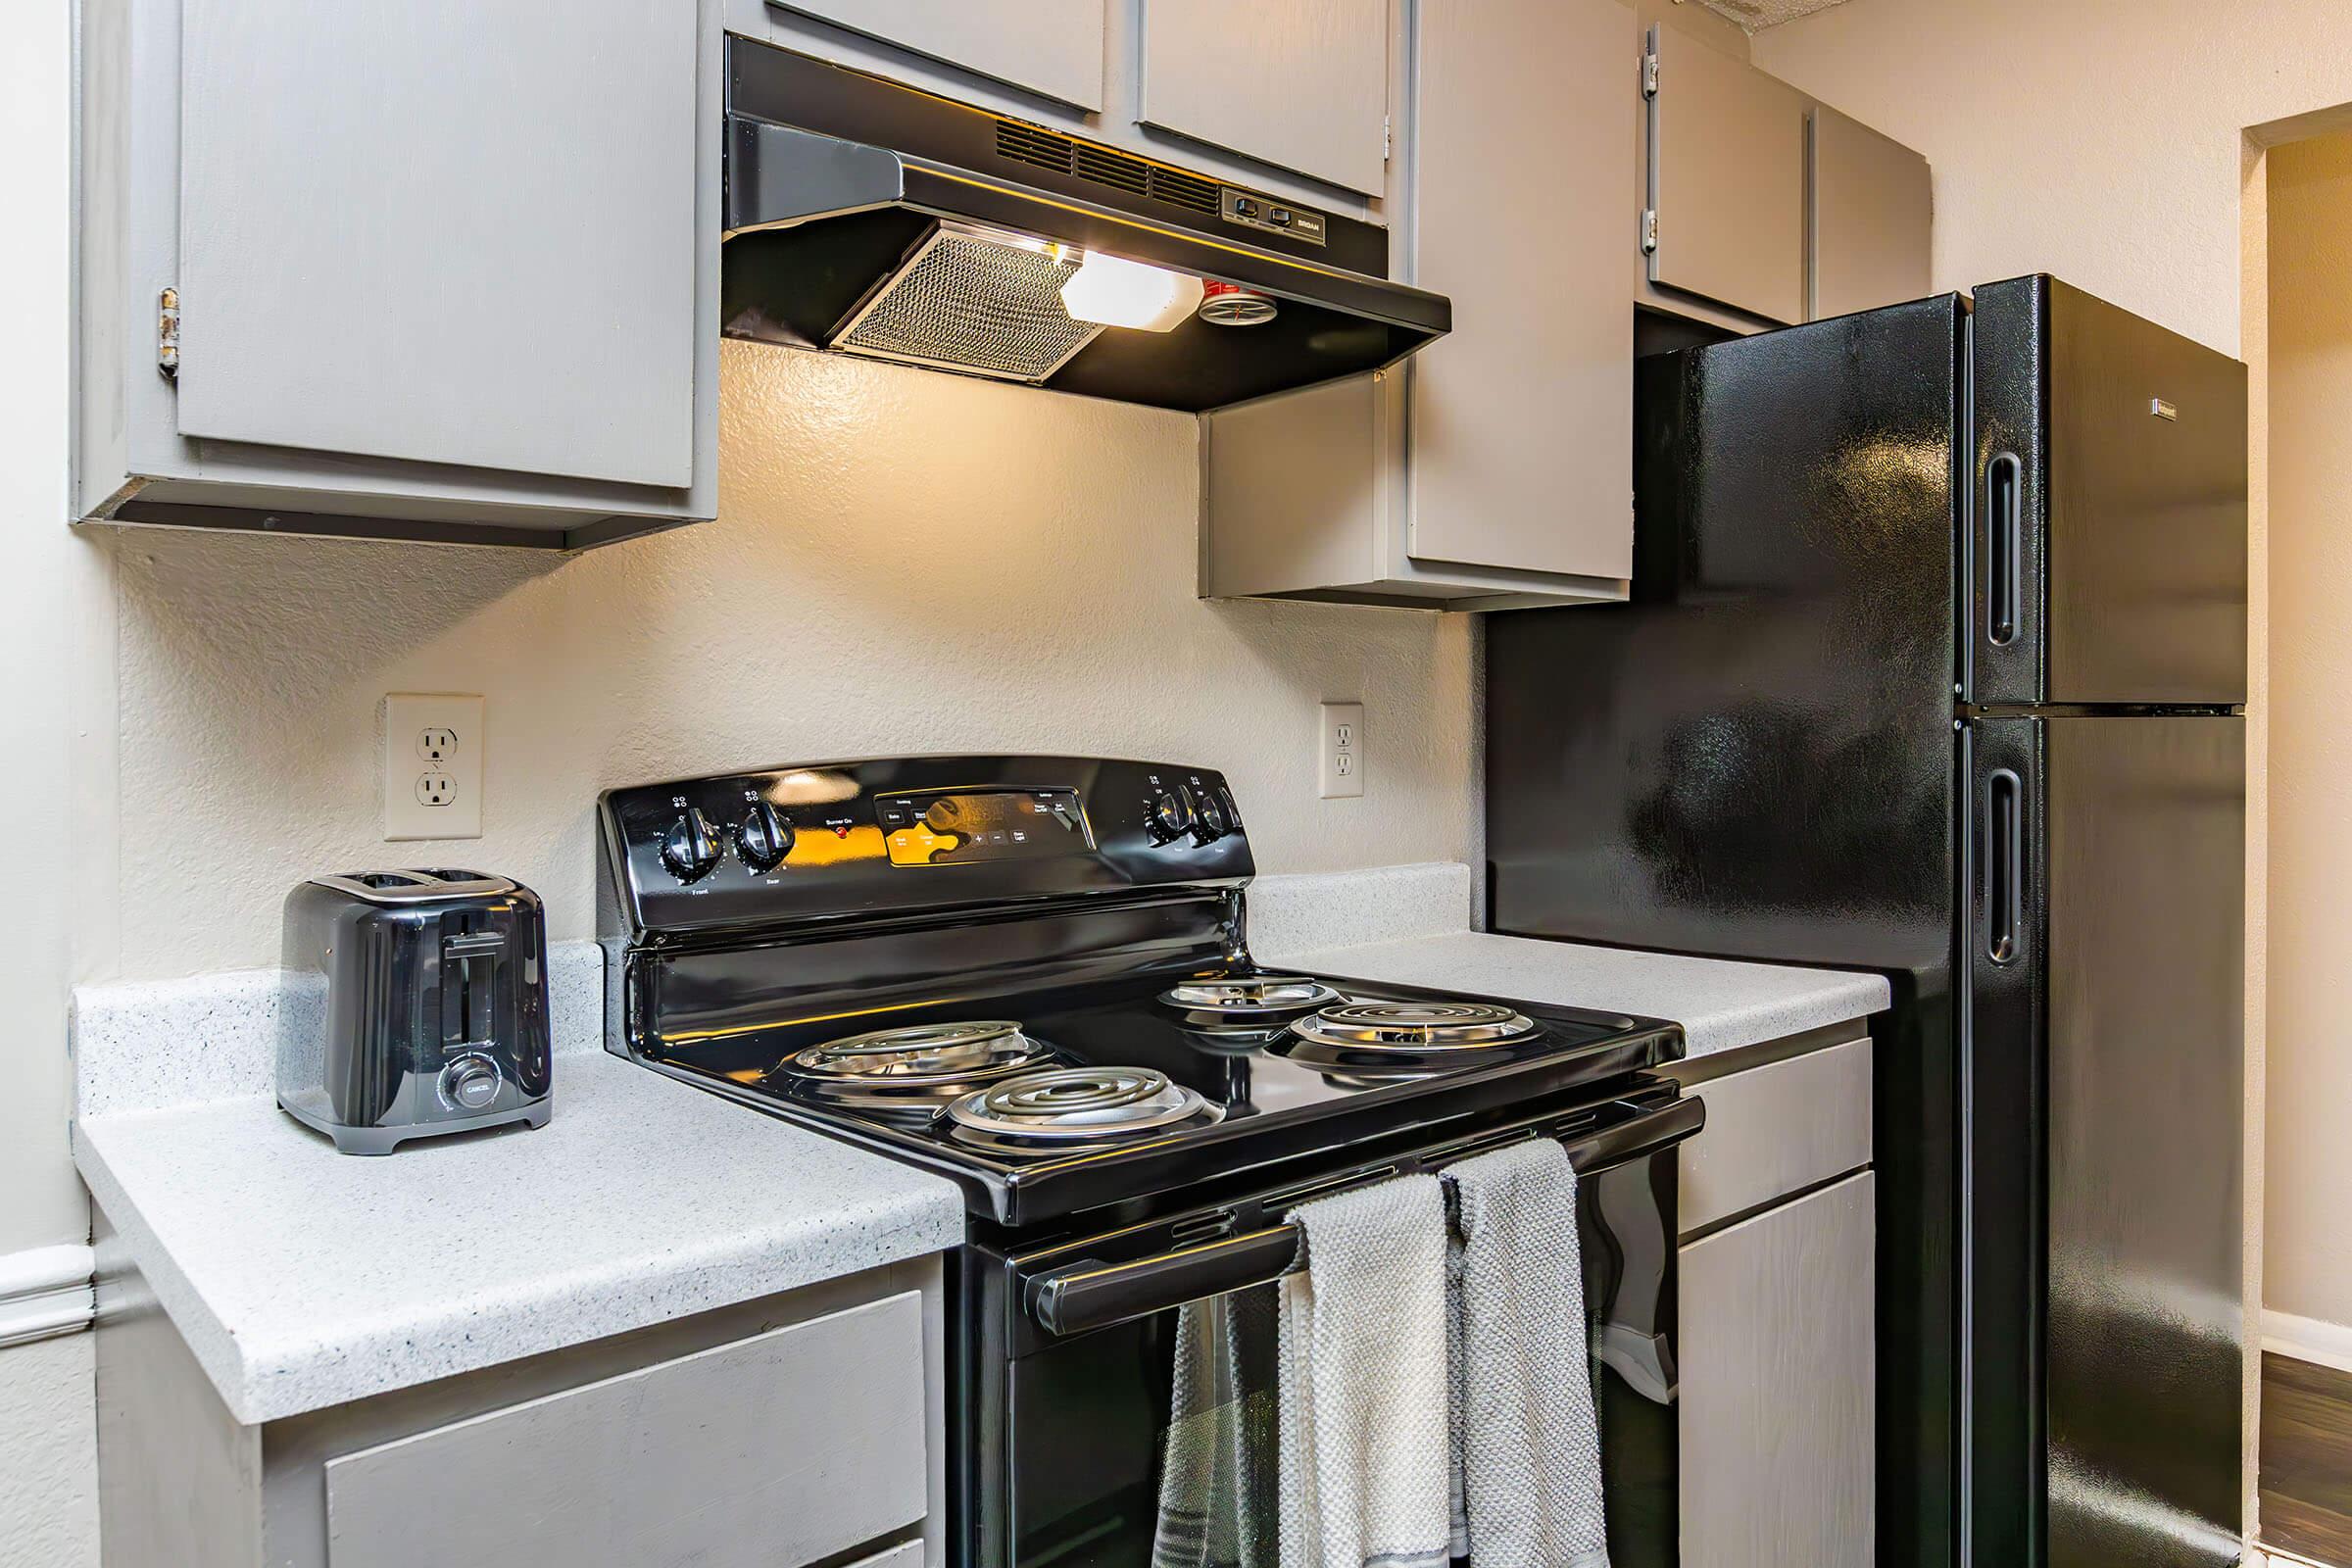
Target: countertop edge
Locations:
point(255, 1377)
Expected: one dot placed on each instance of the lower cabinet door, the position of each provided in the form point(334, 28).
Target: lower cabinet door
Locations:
point(1779, 1387)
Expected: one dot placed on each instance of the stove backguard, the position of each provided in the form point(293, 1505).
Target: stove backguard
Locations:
point(871, 893)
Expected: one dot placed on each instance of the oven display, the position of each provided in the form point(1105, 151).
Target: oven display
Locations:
point(971, 827)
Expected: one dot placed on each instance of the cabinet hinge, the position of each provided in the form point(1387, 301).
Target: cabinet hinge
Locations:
point(1388, 140)
point(167, 331)
point(1649, 75)
point(1649, 231)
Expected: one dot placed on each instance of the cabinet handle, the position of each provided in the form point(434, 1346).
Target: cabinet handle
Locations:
point(2004, 864)
point(2002, 547)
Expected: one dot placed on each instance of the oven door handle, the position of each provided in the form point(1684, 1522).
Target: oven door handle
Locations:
point(1088, 1296)
point(1094, 1295)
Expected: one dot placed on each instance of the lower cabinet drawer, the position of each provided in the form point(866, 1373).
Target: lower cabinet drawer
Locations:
point(784, 1449)
point(1775, 1130)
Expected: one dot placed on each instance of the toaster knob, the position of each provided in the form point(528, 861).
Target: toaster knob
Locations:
point(764, 839)
point(690, 849)
point(469, 1083)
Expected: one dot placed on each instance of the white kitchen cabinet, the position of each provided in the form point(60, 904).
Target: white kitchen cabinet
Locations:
point(792, 1430)
point(1303, 84)
point(1779, 1398)
point(449, 275)
point(1050, 47)
point(1727, 179)
point(1870, 214)
point(1493, 470)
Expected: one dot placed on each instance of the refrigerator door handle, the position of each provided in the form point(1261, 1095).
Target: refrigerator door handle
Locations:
point(2004, 864)
point(2004, 545)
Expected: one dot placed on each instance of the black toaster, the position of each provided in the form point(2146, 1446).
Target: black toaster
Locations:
point(414, 1003)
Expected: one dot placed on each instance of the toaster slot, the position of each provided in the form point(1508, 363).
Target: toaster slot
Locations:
point(471, 955)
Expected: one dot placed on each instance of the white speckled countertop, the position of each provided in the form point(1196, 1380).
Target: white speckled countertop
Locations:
point(303, 1278)
point(1408, 925)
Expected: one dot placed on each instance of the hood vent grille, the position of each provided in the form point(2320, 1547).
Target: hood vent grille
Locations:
point(967, 300)
point(1103, 165)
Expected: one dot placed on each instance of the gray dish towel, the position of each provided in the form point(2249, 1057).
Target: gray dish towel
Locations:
point(1526, 1437)
point(1217, 1467)
point(1363, 1406)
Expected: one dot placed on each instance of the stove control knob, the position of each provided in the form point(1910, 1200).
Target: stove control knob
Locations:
point(1209, 823)
point(763, 838)
point(691, 847)
point(471, 1083)
point(1169, 816)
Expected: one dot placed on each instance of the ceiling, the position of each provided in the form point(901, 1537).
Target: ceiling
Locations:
point(1755, 14)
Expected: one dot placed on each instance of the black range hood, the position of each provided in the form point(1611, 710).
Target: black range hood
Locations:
point(867, 218)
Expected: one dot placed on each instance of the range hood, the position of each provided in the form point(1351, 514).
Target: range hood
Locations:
point(866, 218)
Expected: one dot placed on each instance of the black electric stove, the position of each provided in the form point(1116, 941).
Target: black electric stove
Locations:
point(1031, 974)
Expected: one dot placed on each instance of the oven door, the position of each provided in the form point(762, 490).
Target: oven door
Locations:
point(1125, 1411)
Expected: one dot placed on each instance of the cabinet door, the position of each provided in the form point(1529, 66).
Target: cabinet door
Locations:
point(1872, 217)
point(1050, 47)
point(1726, 181)
point(1779, 1387)
point(448, 233)
point(1301, 84)
point(1522, 417)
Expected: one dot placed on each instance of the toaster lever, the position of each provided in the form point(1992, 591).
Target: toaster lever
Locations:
point(473, 943)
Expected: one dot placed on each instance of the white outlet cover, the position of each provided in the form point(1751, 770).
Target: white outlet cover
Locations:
point(434, 744)
point(1340, 750)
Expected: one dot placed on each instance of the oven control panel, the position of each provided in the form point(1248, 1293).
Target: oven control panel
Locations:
point(791, 844)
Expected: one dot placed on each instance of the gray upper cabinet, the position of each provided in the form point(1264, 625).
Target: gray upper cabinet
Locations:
point(1052, 48)
point(1300, 84)
point(448, 264)
point(1871, 214)
point(474, 299)
point(1727, 179)
point(1522, 422)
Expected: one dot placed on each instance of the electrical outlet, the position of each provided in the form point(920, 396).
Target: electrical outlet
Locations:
point(1339, 749)
point(433, 745)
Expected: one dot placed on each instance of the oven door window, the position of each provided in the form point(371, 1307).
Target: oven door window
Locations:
point(1152, 1444)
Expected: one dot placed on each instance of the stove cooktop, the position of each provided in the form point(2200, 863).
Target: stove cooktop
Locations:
point(1062, 1100)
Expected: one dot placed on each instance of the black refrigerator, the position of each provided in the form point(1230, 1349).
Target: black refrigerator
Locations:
point(1934, 663)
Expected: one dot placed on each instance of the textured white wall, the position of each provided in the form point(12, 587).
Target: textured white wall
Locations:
point(905, 561)
point(48, 1456)
point(2089, 138)
point(48, 1499)
point(2308, 1251)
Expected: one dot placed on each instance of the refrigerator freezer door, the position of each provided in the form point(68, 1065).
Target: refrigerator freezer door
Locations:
point(2115, 1022)
point(2108, 556)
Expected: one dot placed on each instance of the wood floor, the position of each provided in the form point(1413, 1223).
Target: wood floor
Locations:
point(2307, 1459)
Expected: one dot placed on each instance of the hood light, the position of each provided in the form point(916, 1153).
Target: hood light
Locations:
point(1113, 292)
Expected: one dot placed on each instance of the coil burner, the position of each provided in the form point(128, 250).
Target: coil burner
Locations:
point(1395, 1038)
point(1060, 1107)
point(912, 1070)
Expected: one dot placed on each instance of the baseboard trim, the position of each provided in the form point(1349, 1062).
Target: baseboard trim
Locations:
point(44, 1292)
point(2308, 1338)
